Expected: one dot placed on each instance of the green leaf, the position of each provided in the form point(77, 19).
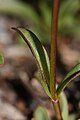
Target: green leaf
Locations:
point(19, 9)
point(40, 114)
point(43, 84)
point(40, 55)
point(64, 106)
point(69, 77)
point(1, 59)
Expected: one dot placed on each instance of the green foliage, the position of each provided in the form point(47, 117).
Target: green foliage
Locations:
point(69, 22)
point(40, 55)
point(44, 66)
point(1, 59)
point(64, 106)
point(69, 19)
point(26, 12)
point(69, 77)
point(18, 9)
point(47, 71)
point(40, 114)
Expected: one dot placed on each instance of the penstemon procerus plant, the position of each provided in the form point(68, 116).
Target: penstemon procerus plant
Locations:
point(47, 67)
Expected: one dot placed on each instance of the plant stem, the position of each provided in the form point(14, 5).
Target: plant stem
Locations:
point(54, 30)
point(57, 110)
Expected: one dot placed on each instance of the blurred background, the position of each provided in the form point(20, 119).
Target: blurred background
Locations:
point(20, 91)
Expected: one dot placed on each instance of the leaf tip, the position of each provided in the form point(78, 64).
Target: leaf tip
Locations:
point(14, 28)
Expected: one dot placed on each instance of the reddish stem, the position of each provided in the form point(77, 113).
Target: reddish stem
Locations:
point(54, 30)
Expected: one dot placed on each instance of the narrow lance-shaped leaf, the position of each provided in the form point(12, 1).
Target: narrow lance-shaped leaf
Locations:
point(64, 106)
point(39, 53)
point(69, 77)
